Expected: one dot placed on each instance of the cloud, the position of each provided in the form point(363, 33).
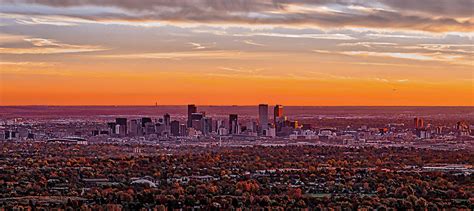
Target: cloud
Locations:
point(49, 46)
point(201, 46)
point(43, 21)
point(306, 36)
point(419, 55)
point(368, 44)
point(267, 33)
point(453, 8)
point(422, 15)
point(10, 38)
point(412, 56)
point(24, 67)
point(27, 64)
point(197, 46)
point(39, 42)
point(242, 70)
point(250, 42)
point(205, 54)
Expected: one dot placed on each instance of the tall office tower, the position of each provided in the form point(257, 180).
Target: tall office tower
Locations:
point(145, 120)
point(123, 125)
point(263, 116)
point(149, 128)
point(214, 126)
point(206, 125)
point(233, 124)
point(191, 109)
point(421, 124)
point(111, 126)
point(196, 120)
point(166, 119)
point(136, 128)
point(277, 114)
point(183, 130)
point(251, 126)
point(174, 128)
point(218, 124)
point(418, 123)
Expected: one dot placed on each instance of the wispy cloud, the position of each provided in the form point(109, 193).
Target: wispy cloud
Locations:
point(25, 67)
point(250, 42)
point(10, 38)
point(368, 44)
point(412, 56)
point(197, 46)
point(304, 36)
point(27, 64)
point(40, 42)
point(201, 46)
point(205, 54)
point(49, 46)
point(44, 21)
point(242, 70)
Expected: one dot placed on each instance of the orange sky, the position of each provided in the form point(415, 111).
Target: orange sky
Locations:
point(236, 54)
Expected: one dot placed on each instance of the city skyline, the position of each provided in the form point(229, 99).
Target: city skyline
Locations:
point(295, 53)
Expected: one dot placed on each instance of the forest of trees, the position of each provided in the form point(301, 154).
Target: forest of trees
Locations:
point(102, 177)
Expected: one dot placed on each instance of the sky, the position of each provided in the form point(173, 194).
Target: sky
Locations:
point(237, 52)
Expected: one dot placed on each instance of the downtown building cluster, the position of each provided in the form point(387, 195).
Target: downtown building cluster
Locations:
point(262, 124)
point(197, 123)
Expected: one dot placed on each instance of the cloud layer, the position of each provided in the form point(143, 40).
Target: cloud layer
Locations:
point(423, 15)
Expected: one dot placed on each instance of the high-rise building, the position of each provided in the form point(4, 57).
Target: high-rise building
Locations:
point(183, 130)
point(191, 109)
point(233, 124)
point(196, 120)
point(166, 119)
point(149, 128)
point(206, 125)
point(277, 117)
point(122, 122)
point(111, 126)
point(418, 123)
point(175, 128)
point(263, 116)
point(145, 120)
point(217, 124)
point(136, 128)
point(463, 128)
point(277, 113)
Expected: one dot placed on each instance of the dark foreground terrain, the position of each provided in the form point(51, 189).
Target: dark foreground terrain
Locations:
point(105, 176)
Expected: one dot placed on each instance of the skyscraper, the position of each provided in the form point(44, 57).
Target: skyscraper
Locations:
point(418, 123)
point(145, 120)
point(233, 124)
point(191, 109)
point(136, 128)
point(277, 113)
point(206, 125)
point(166, 119)
point(175, 128)
point(263, 116)
point(122, 122)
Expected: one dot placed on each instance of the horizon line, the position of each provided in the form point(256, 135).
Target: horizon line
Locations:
point(225, 105)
